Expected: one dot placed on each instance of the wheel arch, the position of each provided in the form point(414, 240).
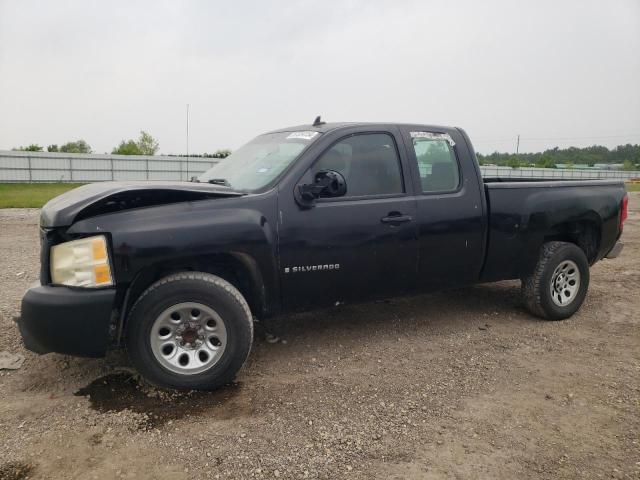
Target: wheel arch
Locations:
point(585, 232)
point(238, 268)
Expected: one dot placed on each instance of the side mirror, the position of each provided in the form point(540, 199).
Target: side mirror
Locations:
point(327, 184)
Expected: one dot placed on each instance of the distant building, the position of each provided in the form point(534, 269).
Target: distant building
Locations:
point(575, 165)
point(609, 166)
point(597, 166)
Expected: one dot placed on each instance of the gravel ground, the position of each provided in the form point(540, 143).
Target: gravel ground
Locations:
point(463, 384)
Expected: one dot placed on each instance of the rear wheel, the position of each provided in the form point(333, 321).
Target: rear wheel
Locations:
point(558, 285)
point(190, 330)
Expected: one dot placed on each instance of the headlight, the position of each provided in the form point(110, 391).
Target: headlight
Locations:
point(81, 263)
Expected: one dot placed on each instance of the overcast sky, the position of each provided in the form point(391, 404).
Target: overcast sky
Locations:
point(556, 72)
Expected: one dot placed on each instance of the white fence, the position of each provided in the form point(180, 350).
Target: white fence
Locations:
point(82, 168)
point(564, 173)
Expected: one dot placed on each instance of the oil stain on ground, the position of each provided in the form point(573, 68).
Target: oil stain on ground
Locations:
point(123, 391)
point(15, 470)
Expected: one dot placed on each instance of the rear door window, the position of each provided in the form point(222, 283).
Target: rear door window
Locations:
point(437, 162)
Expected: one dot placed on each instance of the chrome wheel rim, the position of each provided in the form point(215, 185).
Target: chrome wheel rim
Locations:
point(565, 283)
point(188, 338)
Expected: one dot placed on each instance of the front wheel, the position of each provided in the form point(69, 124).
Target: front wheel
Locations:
point(190, 330)
point(558, 285)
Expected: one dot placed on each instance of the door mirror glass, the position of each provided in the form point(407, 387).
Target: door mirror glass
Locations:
point(326, 184)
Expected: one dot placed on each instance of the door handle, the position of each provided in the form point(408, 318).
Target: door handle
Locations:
point(396, 218)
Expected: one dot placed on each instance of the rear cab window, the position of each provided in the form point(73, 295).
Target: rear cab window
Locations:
point(437, 162)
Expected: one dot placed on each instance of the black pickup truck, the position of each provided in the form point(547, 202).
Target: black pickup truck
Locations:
point(296, 219)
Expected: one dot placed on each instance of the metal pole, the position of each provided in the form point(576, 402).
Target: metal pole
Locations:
point(518, 145)
point(187, 142)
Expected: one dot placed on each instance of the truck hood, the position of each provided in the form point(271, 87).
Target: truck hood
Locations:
point(107, 197)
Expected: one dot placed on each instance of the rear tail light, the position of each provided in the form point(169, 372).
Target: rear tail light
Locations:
point(624, 210)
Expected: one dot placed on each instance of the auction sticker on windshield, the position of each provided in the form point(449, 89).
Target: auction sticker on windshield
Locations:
point(306, 135)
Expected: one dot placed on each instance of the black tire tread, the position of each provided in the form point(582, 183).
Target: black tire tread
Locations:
point(205, 277)
point(532, 284)
point(220, 285)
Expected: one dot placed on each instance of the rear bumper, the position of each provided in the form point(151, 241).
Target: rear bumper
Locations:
point(64, 320)
point(616, 250)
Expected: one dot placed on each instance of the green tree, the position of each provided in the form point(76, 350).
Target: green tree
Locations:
point(146, 145)
point(52, 148)
point(628, 165)
point(223, 153)
point(127, 148)
point(513, 162)
point(34, 147)
point(79, 146)
point(545, 161)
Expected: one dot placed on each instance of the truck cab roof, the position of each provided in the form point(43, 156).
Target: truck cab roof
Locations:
point(331, 126)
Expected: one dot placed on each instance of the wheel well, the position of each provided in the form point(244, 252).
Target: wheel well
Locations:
point(585, 234)
point(227, 266)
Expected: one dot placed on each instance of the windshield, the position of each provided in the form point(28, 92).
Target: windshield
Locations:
point(260, 161)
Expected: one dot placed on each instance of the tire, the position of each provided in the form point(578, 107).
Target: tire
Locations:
point(189, 331)
point(558, 285)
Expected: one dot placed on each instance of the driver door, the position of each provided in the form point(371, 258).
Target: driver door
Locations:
point(355, 247)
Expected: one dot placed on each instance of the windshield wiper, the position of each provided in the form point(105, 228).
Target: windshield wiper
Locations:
point(219, 181)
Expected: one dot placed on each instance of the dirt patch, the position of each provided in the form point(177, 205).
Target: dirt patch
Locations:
point(15, 471)
point(462, 384)
point(122, 391)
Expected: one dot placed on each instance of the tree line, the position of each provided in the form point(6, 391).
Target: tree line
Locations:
point(79, 146)
point(144, 145)
point(626, 155)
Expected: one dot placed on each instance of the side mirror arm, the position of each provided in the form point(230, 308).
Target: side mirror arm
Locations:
point(325, 182)
point(312, 191)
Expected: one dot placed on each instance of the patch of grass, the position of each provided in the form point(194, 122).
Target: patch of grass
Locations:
point(31, 195)
point(632, 187)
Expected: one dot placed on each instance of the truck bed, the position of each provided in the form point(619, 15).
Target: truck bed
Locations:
point(524, 213)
